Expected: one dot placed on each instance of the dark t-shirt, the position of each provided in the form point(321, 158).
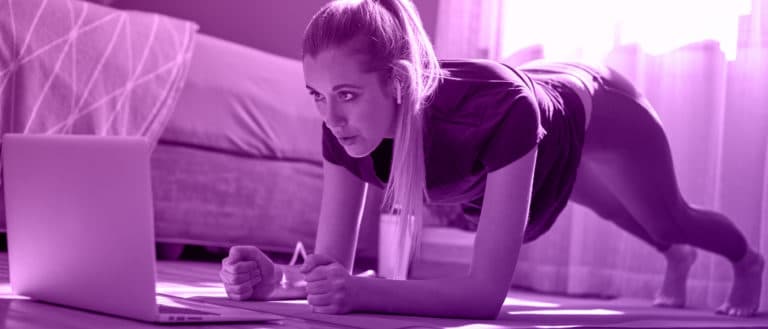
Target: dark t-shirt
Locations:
point(483, 116)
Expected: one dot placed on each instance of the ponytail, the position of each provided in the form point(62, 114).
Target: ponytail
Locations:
point(398, 48)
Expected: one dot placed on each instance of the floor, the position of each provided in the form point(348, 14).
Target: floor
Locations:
point(198, 279)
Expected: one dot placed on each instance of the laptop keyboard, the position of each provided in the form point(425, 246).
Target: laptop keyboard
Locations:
point(181, 310)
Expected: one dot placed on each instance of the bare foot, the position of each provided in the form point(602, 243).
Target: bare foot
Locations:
point(747, 283)
point(680, 258)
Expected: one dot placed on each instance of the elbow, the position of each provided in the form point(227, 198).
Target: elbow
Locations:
point(487, 314)
point(489, 303)
point(492, 308)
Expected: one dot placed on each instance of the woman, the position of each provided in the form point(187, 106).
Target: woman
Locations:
point(512, 145)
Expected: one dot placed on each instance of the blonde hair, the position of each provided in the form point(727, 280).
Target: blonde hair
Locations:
point(391, 34)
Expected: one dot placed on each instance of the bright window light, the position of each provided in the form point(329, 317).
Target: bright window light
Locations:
point(6, 293)
point(589, 29)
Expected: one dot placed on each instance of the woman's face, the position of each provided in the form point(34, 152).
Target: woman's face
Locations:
point(354, 104)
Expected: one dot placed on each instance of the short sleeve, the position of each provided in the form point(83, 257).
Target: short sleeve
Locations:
point(514, 131)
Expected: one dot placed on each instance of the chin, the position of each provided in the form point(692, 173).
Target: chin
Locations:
point(359, 150)
point(355, 152)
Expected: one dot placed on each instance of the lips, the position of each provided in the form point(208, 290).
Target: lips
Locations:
point(348, 140)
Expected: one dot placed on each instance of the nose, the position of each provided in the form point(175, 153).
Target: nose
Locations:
point(335, 118)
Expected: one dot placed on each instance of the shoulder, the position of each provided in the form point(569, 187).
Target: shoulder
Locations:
point(486, 109)
point(475, 90)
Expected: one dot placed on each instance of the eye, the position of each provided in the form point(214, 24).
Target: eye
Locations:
point(316, 96)
point(347, 96)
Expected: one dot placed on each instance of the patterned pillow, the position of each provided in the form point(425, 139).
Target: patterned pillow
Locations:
point(70, 66)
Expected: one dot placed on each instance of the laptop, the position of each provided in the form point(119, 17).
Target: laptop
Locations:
point(80, 229)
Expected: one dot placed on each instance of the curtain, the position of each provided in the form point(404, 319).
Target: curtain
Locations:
point(704, 68)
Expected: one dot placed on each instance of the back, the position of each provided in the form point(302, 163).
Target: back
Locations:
point(79, 217)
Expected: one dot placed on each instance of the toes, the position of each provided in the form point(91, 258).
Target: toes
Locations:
point(743, 313)
point(738, 312)
point(728, 310)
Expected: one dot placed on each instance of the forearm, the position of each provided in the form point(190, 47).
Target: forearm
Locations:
point(462, 297)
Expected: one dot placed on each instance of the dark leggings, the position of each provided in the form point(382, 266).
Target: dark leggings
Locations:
point(626, 150)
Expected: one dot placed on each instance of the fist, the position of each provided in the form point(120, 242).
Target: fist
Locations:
point(328, 285)
point(247, 273)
